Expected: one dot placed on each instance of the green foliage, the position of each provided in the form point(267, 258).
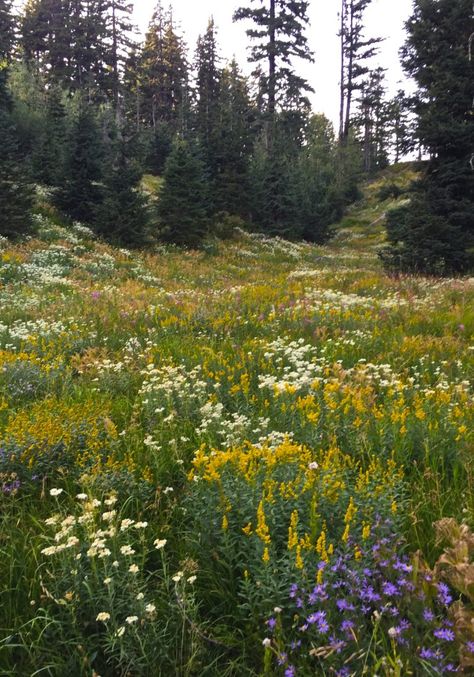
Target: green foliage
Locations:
point(15, 193)
point(122, 217)
point(434, 233)
point(80, 195)
point(183, 207)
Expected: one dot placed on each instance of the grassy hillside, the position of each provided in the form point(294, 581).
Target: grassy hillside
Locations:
point(224, 463)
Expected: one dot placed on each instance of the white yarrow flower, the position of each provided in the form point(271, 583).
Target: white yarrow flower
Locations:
point(131, 619)
point(104, 616)
point(55, 492)
point(160, 543)
point(133, 569)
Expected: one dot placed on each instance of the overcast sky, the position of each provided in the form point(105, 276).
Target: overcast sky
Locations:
point(385, 18)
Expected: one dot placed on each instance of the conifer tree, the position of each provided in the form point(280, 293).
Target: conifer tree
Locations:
point(236, 128)
point(49, 154)
point(15, 192)
point(317, 195)
point(163, 74)
point(371, 121)
point(183, 206)
point(123, 216)
point(278, 33)
point(434, 233)
point(356, 50)
point(81, 195)
point(207, 92)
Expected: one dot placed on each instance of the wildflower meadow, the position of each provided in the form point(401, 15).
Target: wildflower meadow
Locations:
point(252, 459)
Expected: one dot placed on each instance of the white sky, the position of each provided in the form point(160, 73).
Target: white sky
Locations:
point(385, 18)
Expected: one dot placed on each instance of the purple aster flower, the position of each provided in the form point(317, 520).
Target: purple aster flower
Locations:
point(293, 590)
point(323, 627)
point(428, 615)
point(344, 605)
point(337, 644)
point(445, 634)
point(343, 672)
point(427, 654)
point(290, 671)
point(390, 589)
point(271, 623)
point(449, 667)
point(443, 594)
point(470, 647)
point(282, 659)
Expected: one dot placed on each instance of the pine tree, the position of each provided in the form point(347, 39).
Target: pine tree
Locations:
point(400, 126)
point(119, 36)
point(81, 195)
point(183, 207)
point(434, 233)
point(123, 216)
point(356, 50)
point(279, 37)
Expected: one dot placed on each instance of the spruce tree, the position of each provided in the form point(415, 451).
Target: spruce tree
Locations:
point(81, 194)
point(183, 206)
point(434, 233)
point(123, 216)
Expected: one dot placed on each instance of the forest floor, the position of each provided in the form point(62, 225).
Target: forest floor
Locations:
point(239, 461)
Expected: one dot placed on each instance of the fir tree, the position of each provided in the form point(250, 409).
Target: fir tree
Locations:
point(123, 217)
point(279, 37)
point(15, 193)
point(235, 134)
point(163, 75)
point(434, 233)
point(207, 92)
point(50, 152)
point(356, 50)
point(7, 30)
point(183, 207)
point(81, 193)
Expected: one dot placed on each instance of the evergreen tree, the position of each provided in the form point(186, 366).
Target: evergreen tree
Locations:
point(235, 139)
point(163, 75)
point(317, 193)
point(119, 36)
point(122, 217)
point(279, 37)
point(400, 127)
point(81, 195)
point(7, 30)
point(356, 50)
point(208, 92)
point(183, 207)
point(15, 193)
point(372, 121)
point(49, 153)
point(434, 233)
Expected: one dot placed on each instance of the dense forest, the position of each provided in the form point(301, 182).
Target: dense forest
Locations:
point(87, 109)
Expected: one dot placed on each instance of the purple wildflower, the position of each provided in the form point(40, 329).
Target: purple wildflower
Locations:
point(390, 589)
point(443, 594)
point(470, 647)
point(445, 634)
point(428, 615)
point(427, 654)
point(290, 671)
point(271, 623)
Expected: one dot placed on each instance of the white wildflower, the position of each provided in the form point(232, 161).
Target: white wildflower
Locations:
point(160, 543)
point(133, 569)
point(127, 550)
point(131, 619)
point(103, 617)
point(55, 492)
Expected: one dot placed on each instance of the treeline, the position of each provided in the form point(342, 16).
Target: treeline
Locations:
point(87, 110)
point(94, 110)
